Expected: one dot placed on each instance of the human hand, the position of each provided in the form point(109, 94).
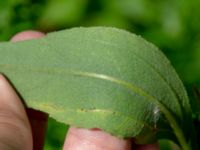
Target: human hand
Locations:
point(24, 129)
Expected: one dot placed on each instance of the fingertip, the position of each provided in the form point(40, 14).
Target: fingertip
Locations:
point(87, 139)
point(26, 35)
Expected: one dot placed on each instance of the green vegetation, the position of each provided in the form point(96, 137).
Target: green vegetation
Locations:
point(172, 25)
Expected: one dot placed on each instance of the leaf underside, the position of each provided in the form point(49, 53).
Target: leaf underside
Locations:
point(99, 77)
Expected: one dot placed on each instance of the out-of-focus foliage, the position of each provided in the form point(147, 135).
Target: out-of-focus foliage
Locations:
point(56, 133)
point(173, 25)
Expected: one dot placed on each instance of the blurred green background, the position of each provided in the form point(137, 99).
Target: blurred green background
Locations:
point(172, 25)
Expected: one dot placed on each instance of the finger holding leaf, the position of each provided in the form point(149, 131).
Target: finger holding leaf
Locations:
point(103, 78)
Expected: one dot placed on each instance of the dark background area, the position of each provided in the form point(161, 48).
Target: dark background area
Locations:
point(172, 25)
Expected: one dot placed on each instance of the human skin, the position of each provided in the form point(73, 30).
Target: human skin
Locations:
point(22, 128)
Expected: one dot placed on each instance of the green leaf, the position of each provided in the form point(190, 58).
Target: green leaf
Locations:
point(104, 78)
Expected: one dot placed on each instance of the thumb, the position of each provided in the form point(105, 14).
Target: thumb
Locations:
point(13, 120)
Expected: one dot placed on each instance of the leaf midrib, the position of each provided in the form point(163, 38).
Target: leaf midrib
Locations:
point(120, 82)
point(127, 85)
point(170, 87)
